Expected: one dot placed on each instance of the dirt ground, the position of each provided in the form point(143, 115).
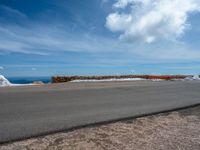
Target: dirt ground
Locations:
point(169, 131)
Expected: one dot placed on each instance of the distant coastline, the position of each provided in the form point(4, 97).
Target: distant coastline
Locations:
point(28, 80)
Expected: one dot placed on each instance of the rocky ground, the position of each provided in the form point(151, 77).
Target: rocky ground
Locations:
point(169, 131)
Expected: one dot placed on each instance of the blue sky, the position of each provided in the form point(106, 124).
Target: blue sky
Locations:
point(99, 37)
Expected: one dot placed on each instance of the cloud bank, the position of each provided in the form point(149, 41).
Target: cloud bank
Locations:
point(46, 39)
point(150, 20)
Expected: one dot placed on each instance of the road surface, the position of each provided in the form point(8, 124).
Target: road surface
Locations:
point(38, 110)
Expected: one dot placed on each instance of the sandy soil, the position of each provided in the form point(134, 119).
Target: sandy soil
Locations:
point(169, 131)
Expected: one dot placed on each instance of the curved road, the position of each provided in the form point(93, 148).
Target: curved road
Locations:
point(37, 110)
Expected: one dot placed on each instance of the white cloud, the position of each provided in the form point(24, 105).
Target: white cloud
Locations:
point(12, 12)
point(150, 20)
point(123, 3)
point(104, 1)
point(1, 68)
point(44, 40)
point(33, 69)
point(32, 40)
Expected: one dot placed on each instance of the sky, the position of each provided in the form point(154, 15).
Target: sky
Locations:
point(99, 37)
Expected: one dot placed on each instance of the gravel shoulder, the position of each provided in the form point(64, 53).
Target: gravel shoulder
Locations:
point(167, 131)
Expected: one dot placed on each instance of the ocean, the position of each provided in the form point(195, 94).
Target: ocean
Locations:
point(27, 80)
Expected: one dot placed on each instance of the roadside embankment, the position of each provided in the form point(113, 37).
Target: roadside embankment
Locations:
point(167, 131)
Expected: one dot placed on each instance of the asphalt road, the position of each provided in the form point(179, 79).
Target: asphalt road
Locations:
point(36, 110)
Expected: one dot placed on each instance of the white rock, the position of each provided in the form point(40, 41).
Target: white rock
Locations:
point(4, 81)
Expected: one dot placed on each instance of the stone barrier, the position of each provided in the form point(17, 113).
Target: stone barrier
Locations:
point(60, 79)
